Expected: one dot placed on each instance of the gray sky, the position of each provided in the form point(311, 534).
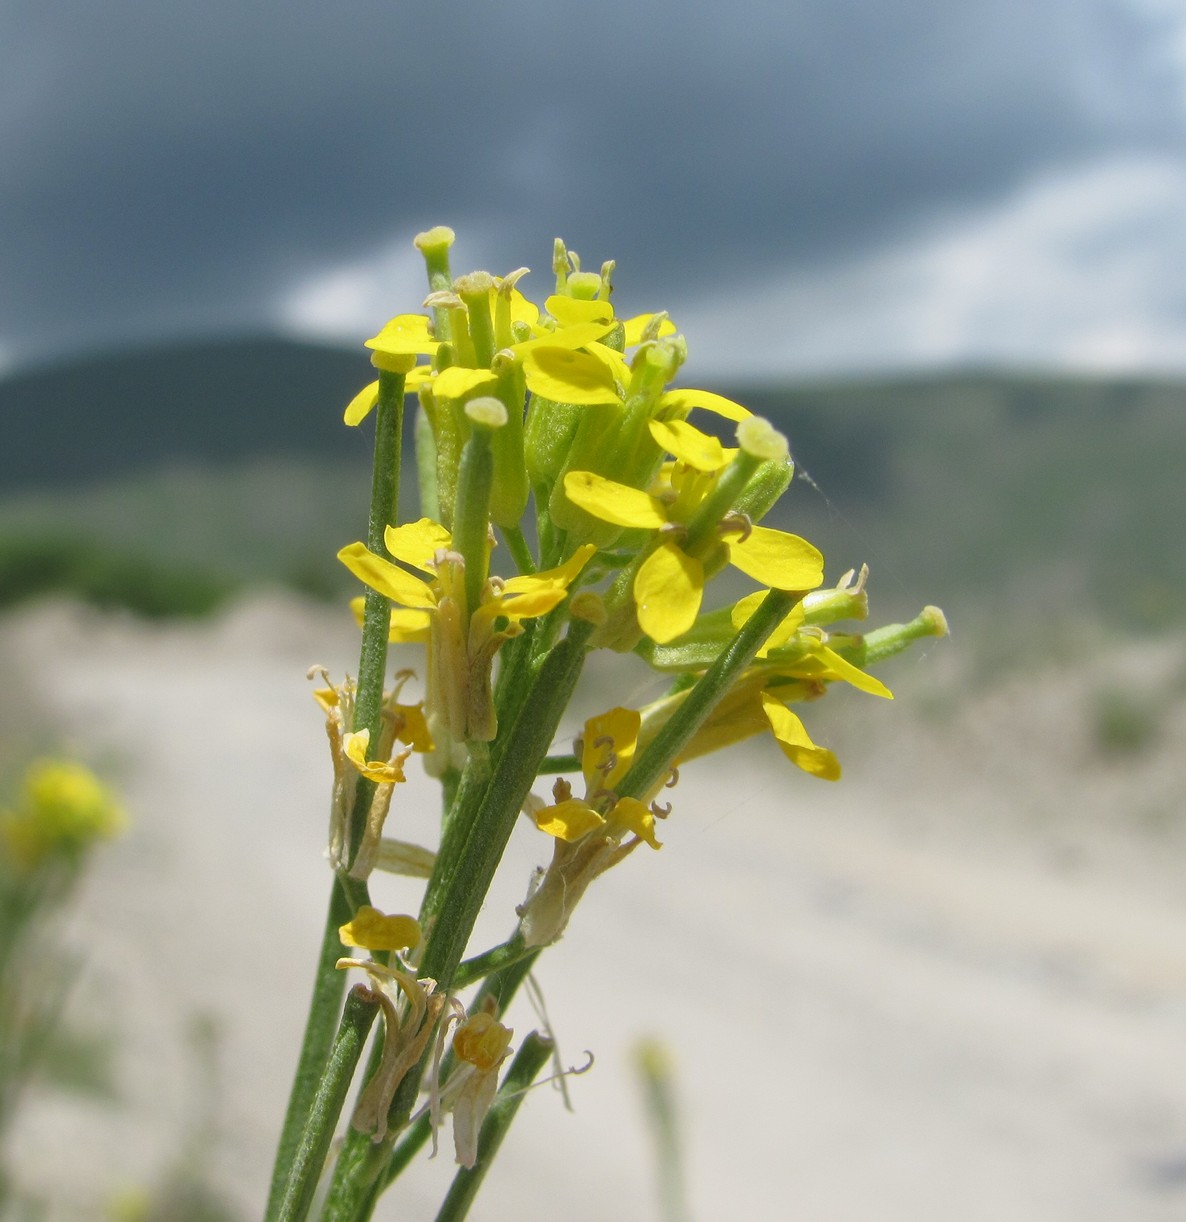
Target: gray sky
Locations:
point(808, 185)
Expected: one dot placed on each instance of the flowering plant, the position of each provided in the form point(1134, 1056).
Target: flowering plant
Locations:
point(571, 501)
point(48, 830)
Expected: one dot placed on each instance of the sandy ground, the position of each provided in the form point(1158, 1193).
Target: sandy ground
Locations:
point(952, 986)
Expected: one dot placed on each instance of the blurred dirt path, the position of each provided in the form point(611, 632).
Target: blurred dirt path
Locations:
point(952, 986)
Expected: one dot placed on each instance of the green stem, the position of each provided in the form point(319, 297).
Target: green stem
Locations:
point(498, 989)
point(480, 966)
point(520, 551)
point(471, 513)
point(346, 894)
point(328, 987)
point(533, 1054)
point(309, 1159)
point(656, 758)
point(720, 500)
point(372, 662)
point(463, 882)
point(559, 763)
point(458, 889)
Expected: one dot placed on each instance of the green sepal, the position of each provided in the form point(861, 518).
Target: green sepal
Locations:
point(697, 649)
point(548, 437)
point(869, 648)
point(426, 465)
point(764, 488)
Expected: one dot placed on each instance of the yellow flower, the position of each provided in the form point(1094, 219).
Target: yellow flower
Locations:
point(62, 809)
point(591, 834)
point(405, 1036)
point(669, 586)
point(795, 743)
point(371, 929)
point(607, 749)
point(462, 640)
point(481, 1044)
point(349, 751)
point(355, 744)
point(518, 329)
point(599, 374)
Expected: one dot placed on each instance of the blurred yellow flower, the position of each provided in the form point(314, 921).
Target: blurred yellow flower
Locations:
point(62, 809)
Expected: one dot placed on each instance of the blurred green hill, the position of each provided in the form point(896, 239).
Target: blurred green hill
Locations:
point(166, 478)
point(99, 416)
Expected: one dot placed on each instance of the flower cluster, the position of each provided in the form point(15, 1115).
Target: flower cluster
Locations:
point(560, 424)
point(572, 499)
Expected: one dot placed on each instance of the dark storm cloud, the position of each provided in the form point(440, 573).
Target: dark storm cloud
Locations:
point(170, 167)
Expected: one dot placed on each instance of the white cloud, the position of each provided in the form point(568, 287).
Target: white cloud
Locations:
point(348, 301)
point(1079, 270)
point(353, 300)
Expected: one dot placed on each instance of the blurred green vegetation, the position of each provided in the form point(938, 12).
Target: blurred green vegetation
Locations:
point(1010, 500)
point(182, 541)
point(104, 574)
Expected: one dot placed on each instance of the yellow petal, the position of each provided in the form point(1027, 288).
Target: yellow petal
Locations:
point(609, 739)
point(355, 746)
point(456, 382)
point(405, 335)
point(841, 668)
point(614, 502)
point(568, 820)
point(689, 444)
point(678, 401)
point(733, 721)
point(525, 604)
point(360, 407)
point(523, 309)
point(372, 930)
point(407, 625)
point(795, 742)
point(777, 560)
point(563, 575)
point(638, 324)
point(388, 579)
point(579, 335)
point(417, 543)
point(568, 311)
point(667, 592)
point(418, 377)
point(636, 817)
point(482, 1041)
point(414, 730)
point(327, 697)
point(787, 627)
point(614, 361)
point(567, 376)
